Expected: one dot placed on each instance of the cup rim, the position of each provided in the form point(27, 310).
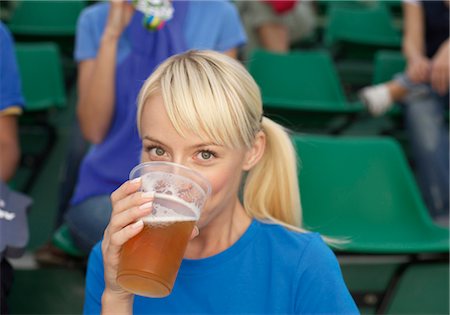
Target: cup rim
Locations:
point(198, 174)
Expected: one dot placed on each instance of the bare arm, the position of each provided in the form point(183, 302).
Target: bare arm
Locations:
point(418, 68)
point(96, 91)
point(9, 146)
point(233, 53)
point(440, 69)
point(96, 77)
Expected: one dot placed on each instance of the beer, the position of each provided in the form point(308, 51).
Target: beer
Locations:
point(149, 262)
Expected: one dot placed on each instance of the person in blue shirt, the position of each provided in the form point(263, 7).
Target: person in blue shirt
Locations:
point(115, 55)
point(203, 110)
point(11, 106)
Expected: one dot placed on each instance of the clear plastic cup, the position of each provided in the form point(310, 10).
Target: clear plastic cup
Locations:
point(149, 262)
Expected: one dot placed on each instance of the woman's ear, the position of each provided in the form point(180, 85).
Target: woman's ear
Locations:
point(255, 153)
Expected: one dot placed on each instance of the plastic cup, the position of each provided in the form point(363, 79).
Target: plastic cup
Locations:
point(149, 262)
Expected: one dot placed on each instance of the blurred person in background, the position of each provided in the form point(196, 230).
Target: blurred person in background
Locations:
point(275, 25)
point(423, 89)
point(11, 104)
point(115, 55)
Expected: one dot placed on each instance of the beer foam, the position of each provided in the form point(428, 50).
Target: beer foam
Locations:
point(168, 184)
point(169, 209)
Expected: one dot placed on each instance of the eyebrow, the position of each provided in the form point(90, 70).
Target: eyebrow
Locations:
point(191, 147)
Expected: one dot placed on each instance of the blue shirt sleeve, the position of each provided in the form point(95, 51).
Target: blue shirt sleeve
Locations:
point(213, 25)
point(320, 285)
point(10, 85)
point(90, 26)
point(95, 283)
point(232, 33)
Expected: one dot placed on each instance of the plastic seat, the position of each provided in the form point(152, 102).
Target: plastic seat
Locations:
point(362, 189)
point(423, 289)
point(50, 20)
point(367, 26)
point(43, 88)
point(44, 18)
point(42, 76)
point(354, 33)
point(300, 86)
point(63, 240)
point(387, 65)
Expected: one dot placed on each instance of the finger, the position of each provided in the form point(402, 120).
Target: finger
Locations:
point(121, 237)
point(414, 75)
point(126, 189)
point(134, 200)
point(129, 216)
point(443, 80)
point(441, 83)
point(422, 73)
point(435, 79)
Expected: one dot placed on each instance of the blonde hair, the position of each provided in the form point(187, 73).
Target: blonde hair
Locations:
point(213, 96)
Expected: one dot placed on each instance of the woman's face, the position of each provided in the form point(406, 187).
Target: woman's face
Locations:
point(221, 165)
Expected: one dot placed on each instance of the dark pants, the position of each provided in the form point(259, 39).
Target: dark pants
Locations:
point(6, 277)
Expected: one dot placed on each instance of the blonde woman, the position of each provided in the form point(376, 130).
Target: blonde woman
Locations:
point(203, 110)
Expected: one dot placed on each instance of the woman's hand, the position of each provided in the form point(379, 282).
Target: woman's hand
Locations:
point(418, 69)
point(119, 17)
point(129, 207)
point(440, 69)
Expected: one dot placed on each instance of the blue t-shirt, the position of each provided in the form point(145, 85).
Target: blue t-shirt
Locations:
point(269, 270)
point(196, 25)
point(10, 86)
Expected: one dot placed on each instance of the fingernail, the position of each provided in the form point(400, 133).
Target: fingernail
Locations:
point(135, 180)
point(148, 194)
point(137, 224)
point(146, 205)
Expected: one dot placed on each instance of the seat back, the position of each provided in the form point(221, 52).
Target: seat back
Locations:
point(362, 188)
point(387, 65)
point(46, 18)
point(423, 289)
point(42, 77)
point(362, 25)
point(298, 80)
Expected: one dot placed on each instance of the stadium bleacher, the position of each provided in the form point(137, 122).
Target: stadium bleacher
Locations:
point(355, 184)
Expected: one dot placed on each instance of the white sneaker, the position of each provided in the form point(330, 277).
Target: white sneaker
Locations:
point(377, 99)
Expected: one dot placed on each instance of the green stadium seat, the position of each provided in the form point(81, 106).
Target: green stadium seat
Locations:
point(423, 289)
point(41, 75)
point(387, 65)
point(395, 6)
point(300, 87)
point(63, 240)
point(362, 189)
point(353, 34)
point(368, 26)
point(43, 88)
point(46, 18)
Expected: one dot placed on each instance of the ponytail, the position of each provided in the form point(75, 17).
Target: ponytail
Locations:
point(271, 190)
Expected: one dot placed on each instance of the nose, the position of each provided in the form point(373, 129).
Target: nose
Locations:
point(179, 160)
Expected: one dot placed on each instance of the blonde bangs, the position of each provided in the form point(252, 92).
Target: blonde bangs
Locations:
point(199, 100)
